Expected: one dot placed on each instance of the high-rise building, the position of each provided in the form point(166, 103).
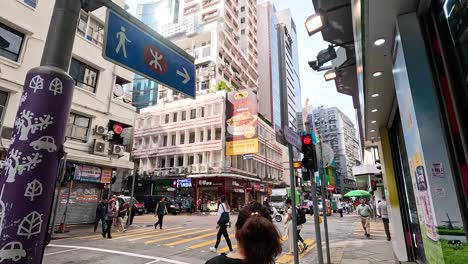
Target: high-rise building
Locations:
point(337, 130)
point(181, 138)
point(156, 14)
point(290, 86)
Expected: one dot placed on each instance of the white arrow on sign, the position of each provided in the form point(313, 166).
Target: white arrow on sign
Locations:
point(184, 75)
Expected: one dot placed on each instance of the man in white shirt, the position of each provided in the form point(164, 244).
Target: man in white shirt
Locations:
point(339, 205)
point(364, 211)
point(310, 204)
point(383, 212)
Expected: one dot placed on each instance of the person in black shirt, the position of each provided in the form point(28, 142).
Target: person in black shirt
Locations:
point(257, 237)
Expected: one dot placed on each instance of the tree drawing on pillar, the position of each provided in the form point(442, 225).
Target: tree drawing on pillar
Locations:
point(34, 189)
point(16, 165)
point(2, 211)
point(27, 124)
point(30, 225)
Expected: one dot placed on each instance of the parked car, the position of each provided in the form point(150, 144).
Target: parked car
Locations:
point(150, 202)
point(140, 207)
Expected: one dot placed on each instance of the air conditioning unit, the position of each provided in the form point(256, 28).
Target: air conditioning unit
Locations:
point(118, 150)
point(100, 130)
point(203, 168)
point(164, 173)
point(195, 168)
point(179, 170)
point(100, 147)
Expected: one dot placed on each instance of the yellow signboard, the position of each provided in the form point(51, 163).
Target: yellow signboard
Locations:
point(241, 147)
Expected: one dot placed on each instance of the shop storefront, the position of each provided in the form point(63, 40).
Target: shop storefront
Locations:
point(164, 187)
point(208, 191)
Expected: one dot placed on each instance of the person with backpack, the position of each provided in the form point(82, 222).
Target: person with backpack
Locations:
point(160, 211)
point(300, 220)
point(223, 223)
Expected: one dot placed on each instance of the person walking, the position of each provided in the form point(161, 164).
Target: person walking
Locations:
point(290, 227)
point(101, 215)
point(161, 210)
point(258, 239)
point(111, 214)
point(222, 224)
point(383, 212)
point(310, 204)
point(364, 211)
point(340, 206)
point(120, 217)
point(131, 215)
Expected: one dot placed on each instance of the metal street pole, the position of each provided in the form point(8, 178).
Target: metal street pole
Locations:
point(324, 204)
point(28, 180)
point(318, 236)
point(58, 188)
point(131, 198)
point(292, 179)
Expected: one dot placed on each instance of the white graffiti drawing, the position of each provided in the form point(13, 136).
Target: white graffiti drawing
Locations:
point(23, 98)
point(16, 165)
point(13, 139)
point(27, 124)
point(30, 225)
point(122, 41)
point(34, 189)
point(56, 86)
point(156, 58)
point(44, 142)
point(36, 83)
point(2, 211)
point(13, 250)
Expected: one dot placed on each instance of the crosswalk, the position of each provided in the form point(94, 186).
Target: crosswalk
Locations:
point(187, 238)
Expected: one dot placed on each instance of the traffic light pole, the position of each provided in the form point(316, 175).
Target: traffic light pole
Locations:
point(292, 179)
point(318, 236)
point(324, 204)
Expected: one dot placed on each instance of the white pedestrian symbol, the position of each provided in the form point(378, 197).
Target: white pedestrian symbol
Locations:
point(122, 41)
point(156, 58)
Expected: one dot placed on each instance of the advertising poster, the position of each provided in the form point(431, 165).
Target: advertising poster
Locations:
point(106, 175)
point(241, 123)
point(88, 173)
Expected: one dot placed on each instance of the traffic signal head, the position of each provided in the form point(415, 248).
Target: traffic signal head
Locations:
point(70, 173)
point(374, 185)
point(308, 149)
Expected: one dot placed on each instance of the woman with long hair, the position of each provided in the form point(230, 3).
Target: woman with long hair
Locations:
point(223, 223)
point(258, 240)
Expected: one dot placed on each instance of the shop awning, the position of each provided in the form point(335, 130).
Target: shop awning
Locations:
point(227, 175)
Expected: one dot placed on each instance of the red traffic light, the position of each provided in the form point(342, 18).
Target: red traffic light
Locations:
point(306, 140)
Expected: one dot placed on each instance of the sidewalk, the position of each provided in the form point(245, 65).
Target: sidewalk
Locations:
point(362, 252)
point(85, 229)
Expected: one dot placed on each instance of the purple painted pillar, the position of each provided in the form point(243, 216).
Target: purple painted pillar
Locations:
point(28, 179)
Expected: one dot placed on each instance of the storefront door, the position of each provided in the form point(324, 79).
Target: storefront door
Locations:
point(409, 212)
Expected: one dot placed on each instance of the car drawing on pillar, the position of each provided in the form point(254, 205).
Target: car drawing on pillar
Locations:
point(45, 142)
point(13, 250)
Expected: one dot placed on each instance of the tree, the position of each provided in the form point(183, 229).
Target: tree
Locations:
point(30, 225)
point(26, 124)
point(16, 165)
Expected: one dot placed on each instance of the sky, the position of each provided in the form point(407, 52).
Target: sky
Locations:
point(314, 86)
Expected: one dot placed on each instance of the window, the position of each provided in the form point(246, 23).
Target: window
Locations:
point(218, 133)
point(201, 136)
point(191, 160)
point(31, 3)
point(205, 85)
point(192, 137)
point(180, 161)
point(84, 75)
point(82, 24)
point(173, 140)
point(174, 119)
point(14, 39)
point(209, 135)
point(182, 138)
point(202, 112)
point(164, 141)
point(95, 32)
point(78, 127)
point(242, 8)
point(243, 20)
point(3, 101)
point(166, 119)
point(242, 31)
point(193, 114)
point(184, 115)
point(171, 163)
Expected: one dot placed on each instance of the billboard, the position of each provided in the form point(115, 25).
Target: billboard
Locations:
point(241, 123)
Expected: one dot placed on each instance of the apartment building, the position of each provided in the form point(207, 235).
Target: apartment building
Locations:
point(337, 130)
point(100, 123)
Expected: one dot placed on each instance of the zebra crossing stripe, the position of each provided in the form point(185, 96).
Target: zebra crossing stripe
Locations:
point(158, 234)
point(176, 236)
point(206, 243)
point(183, 241)
point(144, 233)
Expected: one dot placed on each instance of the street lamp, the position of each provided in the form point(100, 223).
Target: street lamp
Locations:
point(315, 23)
point(330, 75)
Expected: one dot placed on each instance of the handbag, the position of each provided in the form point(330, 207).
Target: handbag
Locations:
point(224, 219)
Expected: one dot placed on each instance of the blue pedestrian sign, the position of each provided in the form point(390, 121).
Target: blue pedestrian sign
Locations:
point(133, 45)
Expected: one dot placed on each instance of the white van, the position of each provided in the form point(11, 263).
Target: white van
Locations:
point(277, 198)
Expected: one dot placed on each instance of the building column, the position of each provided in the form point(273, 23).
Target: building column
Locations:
point(177, 138)
point(185, 163)
point(167, 162)
point(205, 134)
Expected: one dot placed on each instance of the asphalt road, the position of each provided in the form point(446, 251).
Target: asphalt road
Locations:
point(184, 239)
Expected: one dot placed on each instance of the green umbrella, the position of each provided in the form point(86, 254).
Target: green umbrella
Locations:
point(357, 193)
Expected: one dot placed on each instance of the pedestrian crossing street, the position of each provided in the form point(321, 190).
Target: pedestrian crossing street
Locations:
point(377, 230)
point(187, 238)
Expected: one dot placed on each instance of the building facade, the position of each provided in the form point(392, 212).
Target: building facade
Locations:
point(95, 111)
point(337, 130)
point(181, 138)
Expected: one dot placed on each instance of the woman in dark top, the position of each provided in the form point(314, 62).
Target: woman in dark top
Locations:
point(257, 238)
